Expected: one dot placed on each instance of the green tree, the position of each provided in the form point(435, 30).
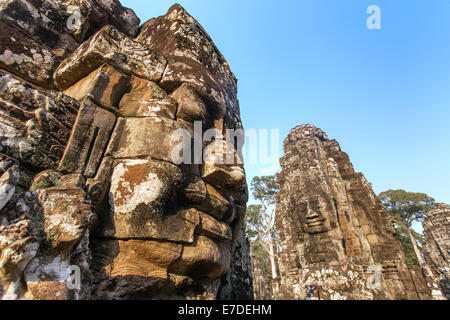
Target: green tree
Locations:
point(405, 208)
point(261, 220)
point(254, 222)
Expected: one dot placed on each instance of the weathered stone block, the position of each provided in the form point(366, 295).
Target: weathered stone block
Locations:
point(111, 47)
point(26, 58)
point(179, 227)
point(190, 106)
point(67, 215)
point(193, 58)
point(141, 191)
point(44, 21)
point(88, 140)
point(105, 86)
point(49, 290)
point(146, 99)
point(148, 137)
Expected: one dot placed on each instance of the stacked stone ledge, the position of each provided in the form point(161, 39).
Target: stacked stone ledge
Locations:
point(87, 173)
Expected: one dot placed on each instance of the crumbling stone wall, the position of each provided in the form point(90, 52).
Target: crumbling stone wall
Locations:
point(237, 284)
point(261, 281)
point(337, 240)
point(436, 250)
point(89, 187)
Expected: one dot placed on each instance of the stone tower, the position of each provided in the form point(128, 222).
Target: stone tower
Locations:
point(436, 249)
point(93, 201)
point(337, 240)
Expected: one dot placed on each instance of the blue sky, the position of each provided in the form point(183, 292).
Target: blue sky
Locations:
point(383, 94)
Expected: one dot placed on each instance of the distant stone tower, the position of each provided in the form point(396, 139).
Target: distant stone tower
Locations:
point(337, 240)
point(436, 249)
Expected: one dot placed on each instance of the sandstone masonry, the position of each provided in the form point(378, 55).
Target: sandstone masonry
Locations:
point(89, 101)
point(337, 240)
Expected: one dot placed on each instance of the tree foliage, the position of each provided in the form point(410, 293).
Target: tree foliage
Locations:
point(405, 208)
point(260, 222)
point(265, 189)
point(410, 255)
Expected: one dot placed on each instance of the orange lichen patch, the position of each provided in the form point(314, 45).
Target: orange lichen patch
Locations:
point(133, 182)
point(49, 290)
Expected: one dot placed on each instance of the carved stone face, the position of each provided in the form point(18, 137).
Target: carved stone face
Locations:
point(144, 223)
point(316, 215)
point(191, 208)
point(156, 218)
point(187, 215)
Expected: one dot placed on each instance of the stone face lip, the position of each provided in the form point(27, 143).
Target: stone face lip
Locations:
point(112, 47)
point(336, 236)
point(205, 257)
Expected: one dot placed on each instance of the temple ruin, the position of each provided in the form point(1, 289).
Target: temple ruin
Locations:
point(89, 106)
point(436, 250)
point(337, 241)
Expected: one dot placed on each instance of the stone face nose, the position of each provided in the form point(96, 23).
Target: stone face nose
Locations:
point(311, 214)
